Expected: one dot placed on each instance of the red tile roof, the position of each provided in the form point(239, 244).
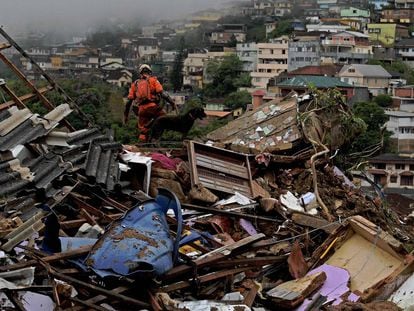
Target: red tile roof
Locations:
point(325, 70)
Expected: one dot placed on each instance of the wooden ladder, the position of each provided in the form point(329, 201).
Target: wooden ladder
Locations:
point(36, 92)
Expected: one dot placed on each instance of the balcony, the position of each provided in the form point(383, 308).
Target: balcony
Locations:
point(346, 55)
point(338, 43)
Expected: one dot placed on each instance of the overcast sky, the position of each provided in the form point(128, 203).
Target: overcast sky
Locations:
point(81, 15)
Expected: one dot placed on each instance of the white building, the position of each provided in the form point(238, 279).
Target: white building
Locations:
point(401, 124)
point(247, 53)
point(272, 60)
point(326, 27)
point(194, 68)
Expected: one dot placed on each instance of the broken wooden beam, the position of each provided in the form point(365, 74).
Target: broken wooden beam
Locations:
point(25, 98)
point(49, 259)
point(307, 220)
point(214, 256)
point(213, 210)
point(202, 279)
point(4, 46)
point(98, 289)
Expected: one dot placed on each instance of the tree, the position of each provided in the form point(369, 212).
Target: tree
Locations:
point(383, 100)
point(244, 80)
point(399, 66)
point(233, 41)
point(238, 100)
point(176, 76)
point(375, 137)
point(223, 76)
point(284, 27)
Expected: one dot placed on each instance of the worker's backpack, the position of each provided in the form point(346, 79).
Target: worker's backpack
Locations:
point(144, 94)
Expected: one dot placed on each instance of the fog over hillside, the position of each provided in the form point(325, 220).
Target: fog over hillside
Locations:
point(80, 16)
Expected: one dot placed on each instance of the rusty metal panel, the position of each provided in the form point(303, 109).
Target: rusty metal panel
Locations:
point(219, 169)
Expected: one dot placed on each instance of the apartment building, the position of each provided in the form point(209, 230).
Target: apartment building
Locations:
point(346, 47)
point(272, 60)
point(393, 171)
point(247, 53)
point(401, 124)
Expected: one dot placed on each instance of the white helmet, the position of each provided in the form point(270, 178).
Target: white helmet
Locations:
point(144, 67)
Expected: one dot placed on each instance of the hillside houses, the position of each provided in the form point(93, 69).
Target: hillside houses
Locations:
point(337, 33)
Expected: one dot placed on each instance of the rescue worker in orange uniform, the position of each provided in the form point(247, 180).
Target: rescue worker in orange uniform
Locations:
point(146, 93)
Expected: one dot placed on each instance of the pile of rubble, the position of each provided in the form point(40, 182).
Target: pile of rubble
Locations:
point(249, 220)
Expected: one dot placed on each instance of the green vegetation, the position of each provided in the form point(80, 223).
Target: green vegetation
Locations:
point(284, 27)
point(373, 140)
point(225, 76)
point(399, 66)
point(383, 100)
point(238, 99)
point(176, 76)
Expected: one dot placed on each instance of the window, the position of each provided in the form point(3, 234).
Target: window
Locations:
point(393, 179)
point(283, 51)
point(380, 166)
point(411, 167)
point(299, 49)
point(406, 181)
point(351, 70)
point(399, 166)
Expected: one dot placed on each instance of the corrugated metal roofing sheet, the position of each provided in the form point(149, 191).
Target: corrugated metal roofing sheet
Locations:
point(102, 165)
point(21, 127)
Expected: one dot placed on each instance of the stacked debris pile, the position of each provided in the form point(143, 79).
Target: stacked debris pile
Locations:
point(234, 224)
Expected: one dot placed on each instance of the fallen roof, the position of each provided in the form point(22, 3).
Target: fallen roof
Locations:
point(270, 126)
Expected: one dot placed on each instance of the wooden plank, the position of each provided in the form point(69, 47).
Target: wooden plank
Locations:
point(256, 261)
point(25, 97)
point(202, 279)
point(217, 211)
point(292, 293)
point(98, 289)
point(88, 304)
point(15, 98)
point(53, 258)
point(314, 222)
point(4, 46)
point(100, 298)
point(42, 98)
point(253, 289)
point(214, 256)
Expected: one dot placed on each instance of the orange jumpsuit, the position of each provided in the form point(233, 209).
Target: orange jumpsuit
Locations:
point(149, 110)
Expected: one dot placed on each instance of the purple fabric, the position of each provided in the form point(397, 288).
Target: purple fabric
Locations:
point(165, 162)
point(335, 286)
point(247, 225)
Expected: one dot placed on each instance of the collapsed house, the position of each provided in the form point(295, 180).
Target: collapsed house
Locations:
point(254, 218)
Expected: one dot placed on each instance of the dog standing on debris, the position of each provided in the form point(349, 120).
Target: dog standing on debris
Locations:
point(179, 123)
